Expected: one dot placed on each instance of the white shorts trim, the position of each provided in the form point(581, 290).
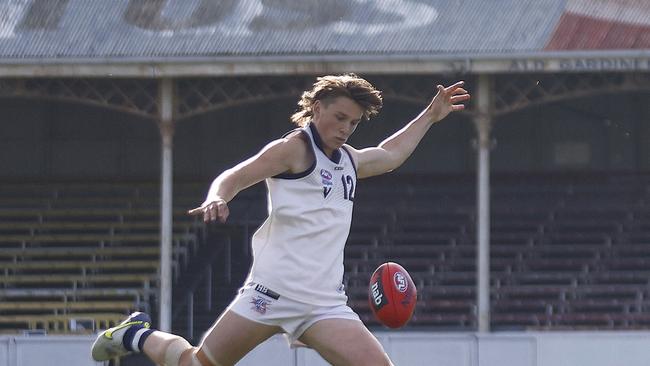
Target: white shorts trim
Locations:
point(260, 304)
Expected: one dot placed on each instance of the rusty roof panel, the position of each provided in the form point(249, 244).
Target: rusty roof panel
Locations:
point(603, 25)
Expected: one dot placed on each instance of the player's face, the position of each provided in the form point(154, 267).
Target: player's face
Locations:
point(336, 120)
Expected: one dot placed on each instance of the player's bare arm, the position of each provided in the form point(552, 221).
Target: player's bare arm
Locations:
point(392, 152)
point(286, 155)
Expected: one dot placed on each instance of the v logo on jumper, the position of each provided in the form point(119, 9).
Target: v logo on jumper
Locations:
point(326, 191)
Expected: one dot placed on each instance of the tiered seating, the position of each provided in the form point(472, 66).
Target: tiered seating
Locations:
point(566, 251)
point(578, 269)
point(81, 251)
point(423, 231)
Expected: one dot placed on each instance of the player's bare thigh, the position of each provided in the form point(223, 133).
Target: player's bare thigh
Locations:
point(344, 342)
point(233, 336)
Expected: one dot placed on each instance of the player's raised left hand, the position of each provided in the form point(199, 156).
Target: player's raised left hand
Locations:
point(447, 100)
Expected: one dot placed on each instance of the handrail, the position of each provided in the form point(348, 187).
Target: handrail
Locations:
point(191, 289)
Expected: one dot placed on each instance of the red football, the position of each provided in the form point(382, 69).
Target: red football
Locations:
point(392, 295)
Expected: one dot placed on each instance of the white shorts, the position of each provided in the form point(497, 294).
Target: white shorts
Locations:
point(263, 305)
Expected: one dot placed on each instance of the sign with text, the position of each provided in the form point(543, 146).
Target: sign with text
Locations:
point(581, 64)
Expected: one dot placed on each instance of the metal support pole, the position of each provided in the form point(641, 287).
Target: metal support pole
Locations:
point(208, 287)
point(167, 133)
point(483, 126)
point(228, 256)
point(190, 315)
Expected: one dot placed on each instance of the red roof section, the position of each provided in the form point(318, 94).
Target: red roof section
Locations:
point(602, 25)
point(579, 32)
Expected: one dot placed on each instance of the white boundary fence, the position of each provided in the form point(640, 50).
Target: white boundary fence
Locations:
point(405, 348)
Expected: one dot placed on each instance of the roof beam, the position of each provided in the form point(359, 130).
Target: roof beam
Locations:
point(541, 62)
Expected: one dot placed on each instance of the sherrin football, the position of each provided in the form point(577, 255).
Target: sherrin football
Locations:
point(392, 295)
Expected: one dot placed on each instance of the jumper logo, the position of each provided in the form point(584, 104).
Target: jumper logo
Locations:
point(326, 178)
point(326, 191)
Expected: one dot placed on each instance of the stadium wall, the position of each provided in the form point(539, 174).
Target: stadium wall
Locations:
point(405, 348)
point(54, 140)
point(494, 349)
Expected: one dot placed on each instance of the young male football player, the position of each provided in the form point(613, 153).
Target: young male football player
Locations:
point(295, 282)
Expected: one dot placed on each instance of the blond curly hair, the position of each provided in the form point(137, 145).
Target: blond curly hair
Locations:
point(329, 87)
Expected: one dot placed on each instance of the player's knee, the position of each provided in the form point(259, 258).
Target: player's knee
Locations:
point(175, 350)
point(195, 357)
point(202, 356)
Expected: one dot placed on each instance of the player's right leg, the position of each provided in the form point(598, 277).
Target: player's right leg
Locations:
point(123, 338)
point(226, 342)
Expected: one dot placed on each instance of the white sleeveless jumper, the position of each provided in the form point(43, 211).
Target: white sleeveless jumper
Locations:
point(298, 250)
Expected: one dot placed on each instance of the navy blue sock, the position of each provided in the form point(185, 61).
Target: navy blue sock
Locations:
point(137, 333)
point(143, 337)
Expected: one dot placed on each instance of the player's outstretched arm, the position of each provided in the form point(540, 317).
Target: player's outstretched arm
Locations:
point(279, 156)
point(392, 152)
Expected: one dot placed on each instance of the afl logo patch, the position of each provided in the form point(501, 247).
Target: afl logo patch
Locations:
point(325, 174)
point(400, 282)
point(327, 177)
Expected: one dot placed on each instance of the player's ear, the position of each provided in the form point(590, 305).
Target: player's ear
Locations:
point(316, 108)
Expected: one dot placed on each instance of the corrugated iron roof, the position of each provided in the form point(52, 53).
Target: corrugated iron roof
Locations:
point(97, 29)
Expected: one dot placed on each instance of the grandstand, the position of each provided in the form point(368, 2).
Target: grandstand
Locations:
point(82, 251)
point(116, 116)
